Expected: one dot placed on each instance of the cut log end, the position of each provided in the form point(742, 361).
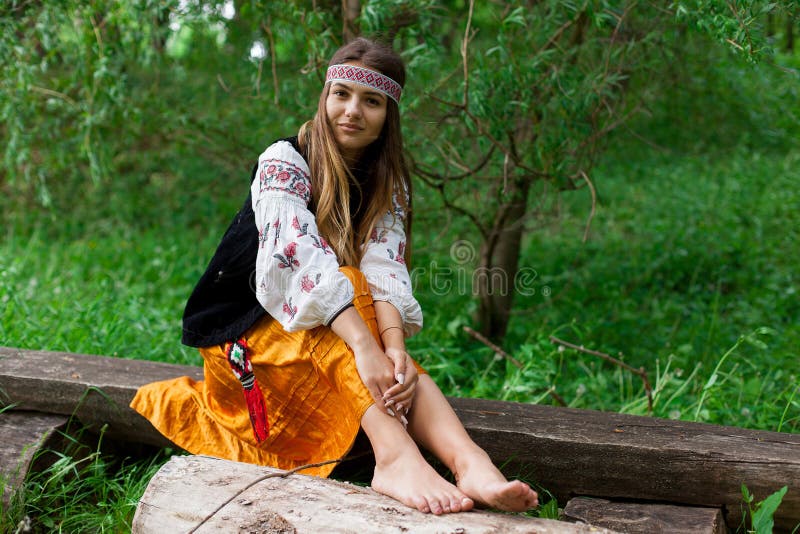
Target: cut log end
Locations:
point(641, 518)
point(24, 435)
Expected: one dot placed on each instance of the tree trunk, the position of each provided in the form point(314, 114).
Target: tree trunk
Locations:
point(790, 34)
point(493, 280)
point(770, 30)
point(351, 9)
point(161, 30)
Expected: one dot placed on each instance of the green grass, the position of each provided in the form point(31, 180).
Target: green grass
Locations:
point(82, 489)
point(688, 272)
point(688, 257)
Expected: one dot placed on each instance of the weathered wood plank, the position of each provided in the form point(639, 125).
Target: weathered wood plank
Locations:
point(580, 452)
point(187, 489)
point(96, 389)
point(23, 435)
point(570, 452)
point(640, 518)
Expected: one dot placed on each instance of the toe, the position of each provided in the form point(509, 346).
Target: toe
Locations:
point(435, 503)
point(421, 504)
point(455, 504)
point(467, 504)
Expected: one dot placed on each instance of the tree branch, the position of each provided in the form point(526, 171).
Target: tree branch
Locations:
point(641, 373)
point(271, 40)
point(500, 352)
point(465, 53)
point(594, 204)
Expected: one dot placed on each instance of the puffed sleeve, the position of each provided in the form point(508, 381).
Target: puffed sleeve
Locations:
point(298, 281)
point(385, 268)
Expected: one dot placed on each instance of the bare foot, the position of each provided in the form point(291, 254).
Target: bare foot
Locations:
point(479, 479)
point(412, 481)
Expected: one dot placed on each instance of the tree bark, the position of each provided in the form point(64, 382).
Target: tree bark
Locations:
point(645, 518)
point(351, 10)
point(160, 30)
point(25, 434)
point(204, 494)
point(494, 279)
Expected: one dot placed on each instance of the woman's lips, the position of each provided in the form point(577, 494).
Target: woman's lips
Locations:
point(348, 127)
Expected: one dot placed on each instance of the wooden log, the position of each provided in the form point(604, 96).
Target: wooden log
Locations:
point(95, 389)
point(581, 452)
point(570, 452)
point(204, 494)
point(640, 518)
point(24, 434)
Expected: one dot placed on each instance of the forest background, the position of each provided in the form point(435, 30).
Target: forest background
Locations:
point(622, 176)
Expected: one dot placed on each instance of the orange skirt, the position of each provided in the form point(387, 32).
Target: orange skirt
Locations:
point(314, 397)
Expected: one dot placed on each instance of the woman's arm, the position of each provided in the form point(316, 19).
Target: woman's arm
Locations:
point(390, 326)
point(375, 369)
point(297, 277)
point(397, 311)
point(384, 266)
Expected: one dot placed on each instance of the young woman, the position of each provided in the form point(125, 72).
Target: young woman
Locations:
point(302, 314)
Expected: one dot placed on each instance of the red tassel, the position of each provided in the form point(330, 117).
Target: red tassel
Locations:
point(258, 412)
point(239, 359)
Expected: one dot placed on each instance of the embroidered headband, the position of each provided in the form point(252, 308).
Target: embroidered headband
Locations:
point(366, 77)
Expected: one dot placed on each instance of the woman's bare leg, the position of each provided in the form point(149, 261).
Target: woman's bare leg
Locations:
point(435, 426)
point(402, 473)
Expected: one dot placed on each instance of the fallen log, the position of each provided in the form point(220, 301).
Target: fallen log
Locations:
point(639, 518)
point(204, 494)
point(24, 434)
point(581, 452)
point(570, 452)
point(94, 389)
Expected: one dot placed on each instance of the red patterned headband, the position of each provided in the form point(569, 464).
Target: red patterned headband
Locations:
point(367, 77)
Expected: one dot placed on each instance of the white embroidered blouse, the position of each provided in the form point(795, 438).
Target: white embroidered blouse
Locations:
point(298, 281)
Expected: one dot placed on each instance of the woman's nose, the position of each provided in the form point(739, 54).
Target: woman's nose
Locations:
point(353, 108)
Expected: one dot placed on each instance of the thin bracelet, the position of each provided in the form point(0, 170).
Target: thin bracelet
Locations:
point(389, 328)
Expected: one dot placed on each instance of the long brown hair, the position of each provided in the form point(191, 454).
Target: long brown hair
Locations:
point(384, 162)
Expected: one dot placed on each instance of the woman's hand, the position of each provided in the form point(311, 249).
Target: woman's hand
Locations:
point(377, 372)
point(400, 396)
point(377, 369)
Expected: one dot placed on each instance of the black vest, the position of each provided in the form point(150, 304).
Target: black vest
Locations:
point(223, 304)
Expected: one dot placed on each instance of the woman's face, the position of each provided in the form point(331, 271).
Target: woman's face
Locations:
point(356, 114)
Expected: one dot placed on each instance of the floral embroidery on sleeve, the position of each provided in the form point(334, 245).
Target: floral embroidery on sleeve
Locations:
point(385, 267)
point(288, 259)
point(262, 236)
point(277, 227)
point(307, 284)
point(288, 309)
point(284, 176)
point(376, 237)
point(302, 229)
point(398, 256)
point(320, 243)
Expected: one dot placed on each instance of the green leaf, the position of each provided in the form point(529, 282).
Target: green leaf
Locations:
point(762, 518)
point(711, 381)
point(746, 495)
